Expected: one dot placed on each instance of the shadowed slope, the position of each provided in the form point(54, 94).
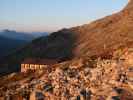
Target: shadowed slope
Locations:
point(58, 45)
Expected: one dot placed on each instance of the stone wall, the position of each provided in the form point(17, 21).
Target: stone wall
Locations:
point(26, 67)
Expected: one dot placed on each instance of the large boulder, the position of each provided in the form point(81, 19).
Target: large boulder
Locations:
point(36, 95)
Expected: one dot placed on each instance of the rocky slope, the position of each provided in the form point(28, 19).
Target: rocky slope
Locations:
point(105, 34)
point(78, 79)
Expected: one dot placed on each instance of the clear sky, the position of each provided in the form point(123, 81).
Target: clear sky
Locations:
point(51, 15)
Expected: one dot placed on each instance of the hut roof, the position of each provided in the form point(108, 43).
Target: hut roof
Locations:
point(40, 61)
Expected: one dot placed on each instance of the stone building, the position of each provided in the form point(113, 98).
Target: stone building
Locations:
point(36, 64)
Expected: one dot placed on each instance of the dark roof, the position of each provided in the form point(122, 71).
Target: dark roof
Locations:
point(40, 61)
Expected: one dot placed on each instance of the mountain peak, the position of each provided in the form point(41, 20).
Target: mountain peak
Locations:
point(129, 5)
point(130, 1)
point(7, 30)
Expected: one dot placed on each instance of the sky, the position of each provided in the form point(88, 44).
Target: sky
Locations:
point(52, 15)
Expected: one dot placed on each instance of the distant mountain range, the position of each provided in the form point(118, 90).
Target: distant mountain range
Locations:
point(11, 40)
point(26, 36)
